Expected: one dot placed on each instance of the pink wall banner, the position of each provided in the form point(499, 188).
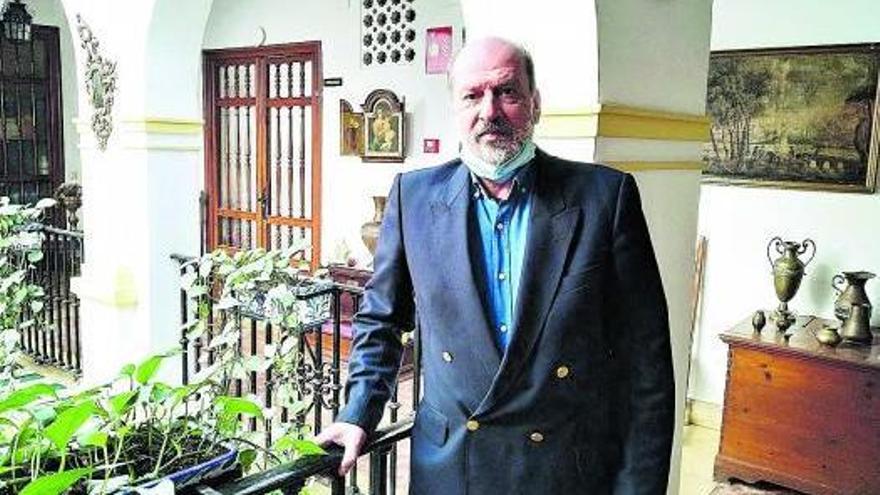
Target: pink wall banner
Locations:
point(438, 49)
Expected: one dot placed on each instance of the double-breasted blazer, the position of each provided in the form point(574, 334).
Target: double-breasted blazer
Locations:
point(582, 401)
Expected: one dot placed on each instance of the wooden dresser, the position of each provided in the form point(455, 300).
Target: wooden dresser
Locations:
point(799, 414)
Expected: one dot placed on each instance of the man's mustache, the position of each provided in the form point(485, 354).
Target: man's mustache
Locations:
point(496, 126)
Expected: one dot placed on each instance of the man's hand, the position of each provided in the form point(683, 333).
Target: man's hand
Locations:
point(348, 436)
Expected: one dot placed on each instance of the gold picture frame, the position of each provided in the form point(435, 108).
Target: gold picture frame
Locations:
point(797, 118)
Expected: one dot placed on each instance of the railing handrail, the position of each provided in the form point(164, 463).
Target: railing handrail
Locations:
point(297, 472)
point(55, 230)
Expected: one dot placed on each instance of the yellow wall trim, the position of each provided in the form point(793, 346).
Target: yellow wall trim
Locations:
point(117, 290)
point(163, 125)
point(619, 121)
point(643, 166)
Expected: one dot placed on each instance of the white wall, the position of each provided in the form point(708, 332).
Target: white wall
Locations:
point(654, 54)
point(51, 13)
point(739, 221)
point(348, 183)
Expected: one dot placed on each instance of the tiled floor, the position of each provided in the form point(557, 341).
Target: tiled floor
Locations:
point(700, 444)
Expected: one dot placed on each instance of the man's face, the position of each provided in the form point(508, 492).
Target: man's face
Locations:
point(495, 109)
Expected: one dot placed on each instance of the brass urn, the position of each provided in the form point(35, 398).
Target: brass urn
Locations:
point(788, 271)
point(370, 229)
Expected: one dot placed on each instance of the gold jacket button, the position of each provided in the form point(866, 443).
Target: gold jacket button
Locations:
point(536, 437)
point(447, 356)
point(473, 425)
point(562, 371)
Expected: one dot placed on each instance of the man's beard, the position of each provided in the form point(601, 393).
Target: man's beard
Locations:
point(507, 144)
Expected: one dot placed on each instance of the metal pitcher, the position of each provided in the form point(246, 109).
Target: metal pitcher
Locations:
point(853, 293)
point(857, 327)
point(788, 271)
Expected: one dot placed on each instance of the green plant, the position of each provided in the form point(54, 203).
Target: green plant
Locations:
point(138, 429)
point(21, 301)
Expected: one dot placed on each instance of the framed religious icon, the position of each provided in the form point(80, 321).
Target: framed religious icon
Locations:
point(351, 130)
point(384, 127)
point(801, 118)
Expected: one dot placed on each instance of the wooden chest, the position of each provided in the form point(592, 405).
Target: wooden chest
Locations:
point(799, 414)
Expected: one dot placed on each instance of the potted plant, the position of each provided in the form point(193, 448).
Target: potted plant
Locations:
point(140, 431)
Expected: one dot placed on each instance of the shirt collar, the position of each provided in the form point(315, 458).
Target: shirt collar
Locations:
point(522, 183)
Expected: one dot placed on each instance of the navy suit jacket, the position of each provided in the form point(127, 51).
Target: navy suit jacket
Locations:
point(582, 401)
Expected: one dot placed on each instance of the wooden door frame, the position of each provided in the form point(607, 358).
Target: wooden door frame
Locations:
point(258, 56)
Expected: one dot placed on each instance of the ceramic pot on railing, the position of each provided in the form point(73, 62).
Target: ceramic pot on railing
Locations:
point(853, 293)
point(788, 271)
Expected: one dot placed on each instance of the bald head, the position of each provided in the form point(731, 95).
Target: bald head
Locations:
point(475, 55)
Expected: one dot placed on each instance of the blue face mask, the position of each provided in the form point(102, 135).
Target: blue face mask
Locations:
point(502, 172)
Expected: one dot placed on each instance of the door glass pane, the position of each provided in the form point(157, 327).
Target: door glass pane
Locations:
point(40, 62)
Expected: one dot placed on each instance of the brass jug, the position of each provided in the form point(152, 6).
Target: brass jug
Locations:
point(853, 293)
point(788, 271)
point(857, 327)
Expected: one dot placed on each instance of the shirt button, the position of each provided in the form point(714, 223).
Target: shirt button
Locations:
point(502, 276)
point(536, 437)
point(473, 425)
point(562, 371)
point(447, 356)
point(502, 328)
point(499, 226)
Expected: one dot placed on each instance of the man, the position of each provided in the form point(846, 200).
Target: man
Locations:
point(546, 355)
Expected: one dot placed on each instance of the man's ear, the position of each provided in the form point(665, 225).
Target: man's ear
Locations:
point(536, 106)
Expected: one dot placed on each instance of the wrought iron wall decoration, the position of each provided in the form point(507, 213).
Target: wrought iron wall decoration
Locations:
point(802, 118)
point(388, 34)
point(100, 79)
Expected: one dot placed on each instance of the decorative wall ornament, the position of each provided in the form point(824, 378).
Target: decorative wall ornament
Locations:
point(387, 32)
point(100, 79)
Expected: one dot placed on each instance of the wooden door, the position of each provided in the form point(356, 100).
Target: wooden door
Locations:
point(31, 158)
point(263, 147)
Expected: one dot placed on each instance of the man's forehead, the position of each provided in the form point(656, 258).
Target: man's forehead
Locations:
point(480, 78)
point(486, 60)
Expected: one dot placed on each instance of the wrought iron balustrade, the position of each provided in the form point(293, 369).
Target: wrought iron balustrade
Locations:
point(55, 338)
point(323, 344)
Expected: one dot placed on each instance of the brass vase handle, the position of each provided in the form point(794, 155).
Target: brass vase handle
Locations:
point(803, 249)
point(837, 280)
point(777, 243)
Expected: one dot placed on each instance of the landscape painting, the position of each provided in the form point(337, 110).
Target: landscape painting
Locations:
point(796, 118)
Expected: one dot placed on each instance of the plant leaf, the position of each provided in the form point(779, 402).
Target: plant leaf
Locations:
point(127, 370)
point(69, 422)
point(238, 405)
point(147, 369)
point(121, 403)
point(25, 396)
point(55, 484)
point(306, 447)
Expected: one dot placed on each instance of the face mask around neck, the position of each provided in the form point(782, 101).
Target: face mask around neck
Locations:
point(502, 172)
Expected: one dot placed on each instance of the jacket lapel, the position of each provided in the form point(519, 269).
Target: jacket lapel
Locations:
point(451, 213)
point(551, 229)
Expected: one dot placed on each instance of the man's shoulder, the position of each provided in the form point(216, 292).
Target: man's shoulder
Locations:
point(430, 176)
point(583, 173)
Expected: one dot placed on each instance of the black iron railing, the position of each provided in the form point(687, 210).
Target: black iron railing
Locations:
point(55, 338)
point(323, 342)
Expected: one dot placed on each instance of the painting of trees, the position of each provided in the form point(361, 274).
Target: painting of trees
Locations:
point(793, 117)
